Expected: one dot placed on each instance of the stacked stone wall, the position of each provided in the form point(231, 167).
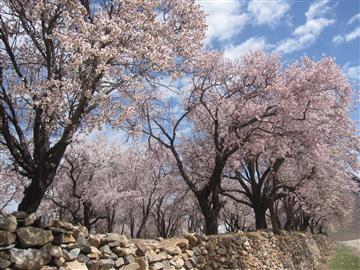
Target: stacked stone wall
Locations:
point(28, 242)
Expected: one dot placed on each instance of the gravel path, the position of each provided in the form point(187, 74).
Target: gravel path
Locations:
point(355, 244)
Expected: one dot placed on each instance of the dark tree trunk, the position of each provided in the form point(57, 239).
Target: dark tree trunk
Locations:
point(110, 218)
point(305, 224)
point(260, 217)
point(211, 224)
point(34, 193)
point(274, 219)
point(87, 215)
point(210, 206)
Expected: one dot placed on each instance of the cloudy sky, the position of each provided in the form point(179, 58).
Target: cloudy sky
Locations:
point(290, 28)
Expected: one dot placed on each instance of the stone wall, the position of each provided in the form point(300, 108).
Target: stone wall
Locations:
point(27, 242)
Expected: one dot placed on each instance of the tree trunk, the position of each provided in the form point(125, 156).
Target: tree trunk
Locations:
point(210, 208)
point(305, 224)
point(211, 224)
point(87, 215)
point(33, 195)
point(274, 220)
point(260, 219)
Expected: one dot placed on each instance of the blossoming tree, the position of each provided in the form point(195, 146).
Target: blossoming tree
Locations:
point(68, 66)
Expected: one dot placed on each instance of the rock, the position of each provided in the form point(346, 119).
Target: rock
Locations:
point(82, 242)
point(119, 262)
point(59, 261)
point(129, 258)
point(29, 220)
point(80, 230)
point(105, 249)
point(152, 256)
point(8, 247)
point(56, 252)
point(103, 264)
point(48, 268)
point(182, 243)
point(191, 238)
point(94, 240)
point(114, 237)
point(143, 262)
point(82, 258)
point(131, 266)
point(167, 266)
point(64, 238)
point(64, 225)
point(7, 238)
point(142, 247)
point(177, 262)
point(93, 253)
point(156, 266)
point(8, 223)
point(75, 265)
point(172, 250)
point(28, 258)
point(33, 237)
point(44, 221)
point(20, 215)
point(71, 255)
point(5, 255)
point(4, 263)
point(124, 251)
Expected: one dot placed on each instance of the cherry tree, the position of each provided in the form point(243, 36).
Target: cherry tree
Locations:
point(69, 66)
point(11, 186)
point(226, 106)
point(246, 118)
point(90, 170)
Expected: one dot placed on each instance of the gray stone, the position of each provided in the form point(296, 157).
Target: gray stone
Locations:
point(28, 258)
point(4, 248)
point(103, 264)
point(131, 266)
point(71, 255)
point(4, 263)
point(156, 266)
point(119, 262)
point(8, 223)
point(44, 221)
point(142, 247)
point(5, 255)
point(7, 238)
point(29, 220)
point(114, 237)
point(56, 252)
point(82, 242)
point(94, 240)
point(64, 238)
point(82, 258)
point(75, 265)
point(33, 237)
point(152, 256)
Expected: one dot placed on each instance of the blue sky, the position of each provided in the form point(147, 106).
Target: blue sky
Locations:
point(290, 28)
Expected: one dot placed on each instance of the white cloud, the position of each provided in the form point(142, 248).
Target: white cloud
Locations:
point(352, 72)
point(224, 18)
point(268, 12)
point(348, 37)
point(352, 35)
point(305, 35)
point(251, 44)
point(227, 18)
point(338, 39)
point(354, 18)
point(318, 9)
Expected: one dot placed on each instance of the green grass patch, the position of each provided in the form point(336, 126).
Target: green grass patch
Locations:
point(344, 259)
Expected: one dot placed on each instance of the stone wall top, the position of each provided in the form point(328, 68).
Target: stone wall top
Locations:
point(30, 242)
